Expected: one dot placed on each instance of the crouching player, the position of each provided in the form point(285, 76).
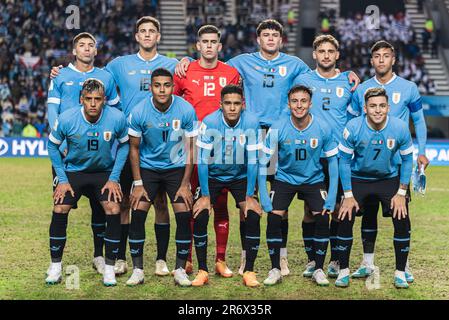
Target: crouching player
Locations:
point(227, 159)
point(301, 140)
point(368, 170)
point(89, 168)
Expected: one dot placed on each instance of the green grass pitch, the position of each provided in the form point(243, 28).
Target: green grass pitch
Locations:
point(25, 213)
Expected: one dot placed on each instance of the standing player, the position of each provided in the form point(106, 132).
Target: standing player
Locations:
point(331, 97)
point(405, 102)
point(132, 75)
point(267, 77)
point(230, 134)
point(88, 169)
point(161, 153)
point(301, 140)
point(64, 94)
point(201, 87)
point(369, 169)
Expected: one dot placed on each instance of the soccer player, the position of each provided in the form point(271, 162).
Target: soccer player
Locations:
point(301, 140)
point(64, 94)
point(88, 169)
point(267, 77)
point(227, 158)
point(132, 75)
point(368, 169)
point(405, 102)
point(201, 87)
point(162, 132)
point(331, 97)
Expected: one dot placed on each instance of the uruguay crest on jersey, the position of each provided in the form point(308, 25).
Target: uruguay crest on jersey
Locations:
point(283, 71)
point(391, 143)
point(339, 91)
point(176, 124)
point(107, 135)
point(313, 143)
point(222, 81)
point(396, 97)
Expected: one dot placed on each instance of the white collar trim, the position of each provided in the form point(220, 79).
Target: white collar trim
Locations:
point(71, 66)
point(389, 81)
point(152, 59)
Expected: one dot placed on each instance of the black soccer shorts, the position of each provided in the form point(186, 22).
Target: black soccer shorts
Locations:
point(168, 180)
point(282, 194)
point(87, 184)
point(367, 191)
point(236, 187)
point(126, 178)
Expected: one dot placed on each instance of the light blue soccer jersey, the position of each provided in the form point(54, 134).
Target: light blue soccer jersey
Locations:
point(132, 74)
point(267, 82)
point(89, 145)
point(330, 98)
point(162, 134)
point(64, 91)
point(299, 152)
point(404, 100)
point(228, 150)
point(372, 152)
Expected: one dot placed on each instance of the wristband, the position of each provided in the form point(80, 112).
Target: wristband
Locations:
point(348, 194)
point(137, 183)
point(402, 192)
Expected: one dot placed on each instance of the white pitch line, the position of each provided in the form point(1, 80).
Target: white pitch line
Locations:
point(438, 189)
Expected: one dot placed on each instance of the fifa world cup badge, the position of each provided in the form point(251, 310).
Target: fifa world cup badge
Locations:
point(390, 143)
point(107, 135)
point(176, 124)
point(313, 143)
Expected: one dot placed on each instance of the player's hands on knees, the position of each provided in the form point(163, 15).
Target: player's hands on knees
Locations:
point(353, 78)
point(398, 206)
point(55, 71)
point(186, 194)
point(346, 208)
point(136, 195)
point(181, 67)
point(114, 189)
point(202, 203)
point(422, 161)
point(60, 191)
point(252, 204)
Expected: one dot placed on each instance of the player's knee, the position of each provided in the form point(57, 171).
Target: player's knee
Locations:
point(61, 209)
point(111, 208)
point(124, 217)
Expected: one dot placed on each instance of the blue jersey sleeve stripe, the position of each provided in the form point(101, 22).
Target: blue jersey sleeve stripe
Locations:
point(207, 146)
point(331, 153)
point(54, 100)
point(134, 133)
point(54, 140)
point(352, 111)
point(345, 149)
point(406, 151)
point(415, 106)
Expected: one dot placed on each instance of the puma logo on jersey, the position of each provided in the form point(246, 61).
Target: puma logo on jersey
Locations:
point(223, 225)
point(197, 82)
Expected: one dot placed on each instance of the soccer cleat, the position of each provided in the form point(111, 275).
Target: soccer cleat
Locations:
point(121, 267)
point(274, 277)
point(343, 278)
point(54, 273)
point(332, 269)
point(249, 279)
point(400, 281)
point(99, 264)
point(161, 268)
point(284, 266)
point(222, 269)
point(408, 275)
point(310, 268)
point(136, 278)
point(242, 265)
point(320, 278)
point(364, 271)
point(109, 276)
point(189, 267)
point(202, 278)
point(181, 278)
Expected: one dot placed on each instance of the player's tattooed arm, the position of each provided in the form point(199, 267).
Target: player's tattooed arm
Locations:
point(138, 190)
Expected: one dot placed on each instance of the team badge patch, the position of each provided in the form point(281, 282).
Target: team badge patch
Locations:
point(346, 134)
point(283, 71)
point(391, 143)
point(313, 143)
point(222, 81)
point(176, 124)
point(242, 139)
point(107, 135)
point(203, 128)
point(396, 97)
point(323, 194)
point(339, 91)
